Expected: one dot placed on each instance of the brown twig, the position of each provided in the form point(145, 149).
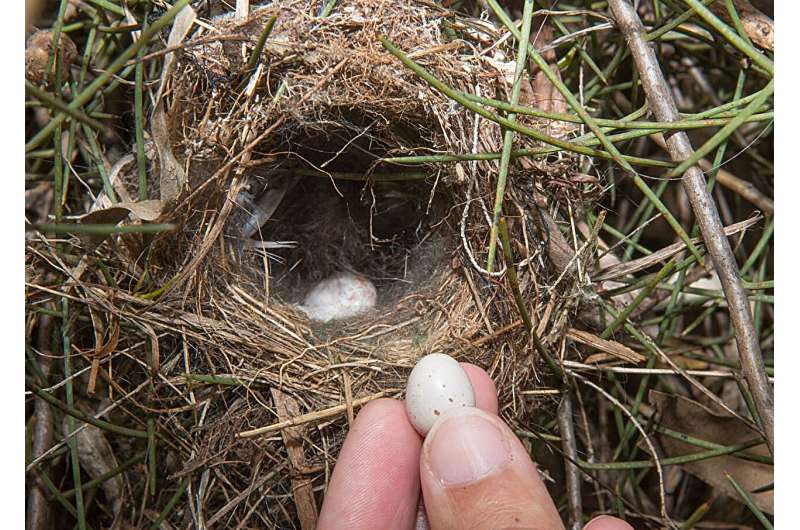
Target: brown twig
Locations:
point(37, 515)
point(311, 416)
point(302, 487)
point(662, 104)
point(759, 27)
point(566, 430)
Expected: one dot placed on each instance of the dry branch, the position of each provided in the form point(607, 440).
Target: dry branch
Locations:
point(566, 430)
point(662, 104)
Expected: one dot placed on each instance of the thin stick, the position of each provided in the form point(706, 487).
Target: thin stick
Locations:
point(311, 416)
point(742, 187)
point(566, 430)
point(649, 371)
point(242, 9)
point(662, 103)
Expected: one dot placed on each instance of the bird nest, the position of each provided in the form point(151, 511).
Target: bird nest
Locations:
point(280, 179)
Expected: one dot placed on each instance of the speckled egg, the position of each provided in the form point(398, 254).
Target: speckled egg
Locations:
point(342, 295)
point(436, 384)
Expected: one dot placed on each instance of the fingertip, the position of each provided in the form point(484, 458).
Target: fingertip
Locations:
point(386, 411)
point(375, 483)
point(484, 387)
point(475, 473)
point(606, 522)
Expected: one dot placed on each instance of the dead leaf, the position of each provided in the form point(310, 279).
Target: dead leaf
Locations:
point(544, 93)
point(180, 29)
point(690, 417)
point(97, 458)
point(611, 348)
point(143, 210)
point(172, 178)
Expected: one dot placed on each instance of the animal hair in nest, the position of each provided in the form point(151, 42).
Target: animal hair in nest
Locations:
point(326, 103)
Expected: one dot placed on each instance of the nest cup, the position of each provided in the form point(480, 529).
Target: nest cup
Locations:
point(311, 121)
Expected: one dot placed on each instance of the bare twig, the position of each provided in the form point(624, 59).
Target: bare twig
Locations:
point(38, 506)
point(662, 104)
point(566, 430)
point(311, 416)
point(302, 487)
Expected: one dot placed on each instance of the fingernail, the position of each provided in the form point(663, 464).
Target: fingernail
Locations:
point(465, 445)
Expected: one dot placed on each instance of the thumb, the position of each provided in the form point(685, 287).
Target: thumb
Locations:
point(476, 474)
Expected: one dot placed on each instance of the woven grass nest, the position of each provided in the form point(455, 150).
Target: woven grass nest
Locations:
point(313, 119)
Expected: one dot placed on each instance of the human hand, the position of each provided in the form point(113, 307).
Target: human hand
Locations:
point(472, 470)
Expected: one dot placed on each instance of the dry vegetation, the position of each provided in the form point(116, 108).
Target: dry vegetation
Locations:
point(191, 174)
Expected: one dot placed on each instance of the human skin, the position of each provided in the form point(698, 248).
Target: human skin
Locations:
point(471, 470)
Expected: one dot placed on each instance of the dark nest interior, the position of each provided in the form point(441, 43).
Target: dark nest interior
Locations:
point(330, 211)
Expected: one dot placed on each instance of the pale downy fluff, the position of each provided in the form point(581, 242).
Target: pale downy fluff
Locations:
point(341, 295)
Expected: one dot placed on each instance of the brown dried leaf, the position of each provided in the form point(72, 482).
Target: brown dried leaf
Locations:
point(144, 210)
point(180, 29)
point(544, 93)
point(97, 458)
point(173, 178)
point(687, 416)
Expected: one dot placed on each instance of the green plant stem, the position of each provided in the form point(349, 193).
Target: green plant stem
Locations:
point(138, 108)
point(511, 272)
point(57, 104)
point(658, 126)
point(643, 294)
point(673, 461)
point(103, 229)
point(77, 414)
point(612, 150)
point(508, 135)
point(117, 65)
point(730, 35)
point(748, 500)
point(725, 132)
point(68, 392)
point(105, 476)
point(173, 501)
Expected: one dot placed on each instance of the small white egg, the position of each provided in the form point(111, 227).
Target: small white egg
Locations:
point(436, 384)
point(342, 295)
